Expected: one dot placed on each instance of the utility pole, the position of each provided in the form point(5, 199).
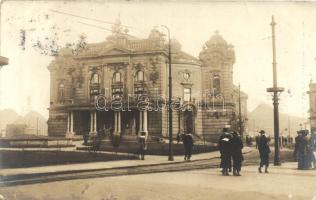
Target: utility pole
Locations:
point(289, 125)
point(275, 90)
point(37, 126)
point(170, 157)
point(240, 118)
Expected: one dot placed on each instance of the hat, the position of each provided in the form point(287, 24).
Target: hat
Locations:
point(262, 132)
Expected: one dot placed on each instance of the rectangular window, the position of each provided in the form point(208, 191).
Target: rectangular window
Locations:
point(187, 94)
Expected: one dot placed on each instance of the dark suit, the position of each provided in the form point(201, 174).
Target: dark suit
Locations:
point(188, 144)
point(237, 146)
point(264, 150)
point(225, 148)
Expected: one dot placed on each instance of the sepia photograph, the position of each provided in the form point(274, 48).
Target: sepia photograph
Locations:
point(157, 100)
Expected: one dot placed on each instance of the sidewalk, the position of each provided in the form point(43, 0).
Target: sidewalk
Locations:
point(150, 160)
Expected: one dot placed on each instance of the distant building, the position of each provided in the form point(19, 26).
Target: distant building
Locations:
point(125, 68)
point(15, 130)
point(312, 103)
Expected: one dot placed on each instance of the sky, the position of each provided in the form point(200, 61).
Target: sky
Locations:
point(24, 83)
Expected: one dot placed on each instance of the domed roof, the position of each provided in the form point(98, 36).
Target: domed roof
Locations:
point(155, 34)
point(175, 45)
point(215, 40)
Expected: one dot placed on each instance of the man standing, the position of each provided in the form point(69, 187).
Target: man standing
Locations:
point(142, 145)
point(312, 149)
point(237, 146)
point(225, 148)
point(188, 145)
point(264, 151)
point(296, 153)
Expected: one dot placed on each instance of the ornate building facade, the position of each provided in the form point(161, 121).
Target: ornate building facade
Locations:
point(121, 86)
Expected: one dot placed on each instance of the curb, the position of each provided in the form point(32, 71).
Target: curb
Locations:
point(17, 176)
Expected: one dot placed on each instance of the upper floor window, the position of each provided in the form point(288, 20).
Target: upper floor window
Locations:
point(117, 77)
point(187, 94)
point(95, 79)
point(140, 76)
point(216, 84)
point(61, 92)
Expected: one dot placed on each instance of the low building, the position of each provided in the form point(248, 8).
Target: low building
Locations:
point(16, 130)
point(121, 86)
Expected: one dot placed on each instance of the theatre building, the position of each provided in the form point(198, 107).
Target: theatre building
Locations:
point(127, 68)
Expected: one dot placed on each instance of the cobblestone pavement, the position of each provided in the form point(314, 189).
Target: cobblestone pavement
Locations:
point(251, 158)
point(283, 182)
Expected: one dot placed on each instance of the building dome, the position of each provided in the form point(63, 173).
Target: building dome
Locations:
point(216, 51)
point(155, 34)
point(216, 40)
point(175, 45)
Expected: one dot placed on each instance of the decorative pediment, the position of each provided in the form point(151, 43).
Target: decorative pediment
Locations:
point(114, 51)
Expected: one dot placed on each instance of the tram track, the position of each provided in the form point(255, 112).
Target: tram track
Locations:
point(24, 179)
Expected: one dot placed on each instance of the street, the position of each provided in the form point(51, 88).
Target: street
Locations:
point(283, 182)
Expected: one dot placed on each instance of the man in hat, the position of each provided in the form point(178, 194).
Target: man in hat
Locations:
point(237, 146)
point(225, 148)
point(264, 151)
point(142, 140)
point(188, 145)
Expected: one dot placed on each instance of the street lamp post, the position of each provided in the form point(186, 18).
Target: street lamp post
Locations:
point(240, 117)
point(275, 90)
point(170, 157)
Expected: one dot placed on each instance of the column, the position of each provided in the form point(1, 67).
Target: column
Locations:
point(140, 122)
point(92, 122)
point(145, 121)
point(95, 121)
point(71, 122)
point(134, 125)
point(68, 122)
point(70, 125)
point(117, 123)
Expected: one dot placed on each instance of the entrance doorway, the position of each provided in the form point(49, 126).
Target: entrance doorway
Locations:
point(188, 121)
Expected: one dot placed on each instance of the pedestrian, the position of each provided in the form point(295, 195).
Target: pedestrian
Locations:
point(312, 144)
point(142, 140)
point(237, 156)
point(264, 151)
point(178, 138)
point(298, 140)
point(188, 145)
point(304, 155)
point(225, 148)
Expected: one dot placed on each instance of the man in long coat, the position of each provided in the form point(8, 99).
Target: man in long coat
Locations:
point(188, 145)
point(225, 148)
point(142, 140)
point(237, 146)
point(264, 151)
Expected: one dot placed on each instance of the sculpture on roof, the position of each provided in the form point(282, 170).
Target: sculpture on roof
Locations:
point(117, 28)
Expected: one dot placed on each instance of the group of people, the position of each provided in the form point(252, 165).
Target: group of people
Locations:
point(305, 145)
point(230, 146)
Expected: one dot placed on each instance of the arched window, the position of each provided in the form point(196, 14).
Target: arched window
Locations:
point(95, 84)
point(140, 76)
point(95, 79)
point(187, 94)
point(61, 92)
point(216, 84)
point(117, 77)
